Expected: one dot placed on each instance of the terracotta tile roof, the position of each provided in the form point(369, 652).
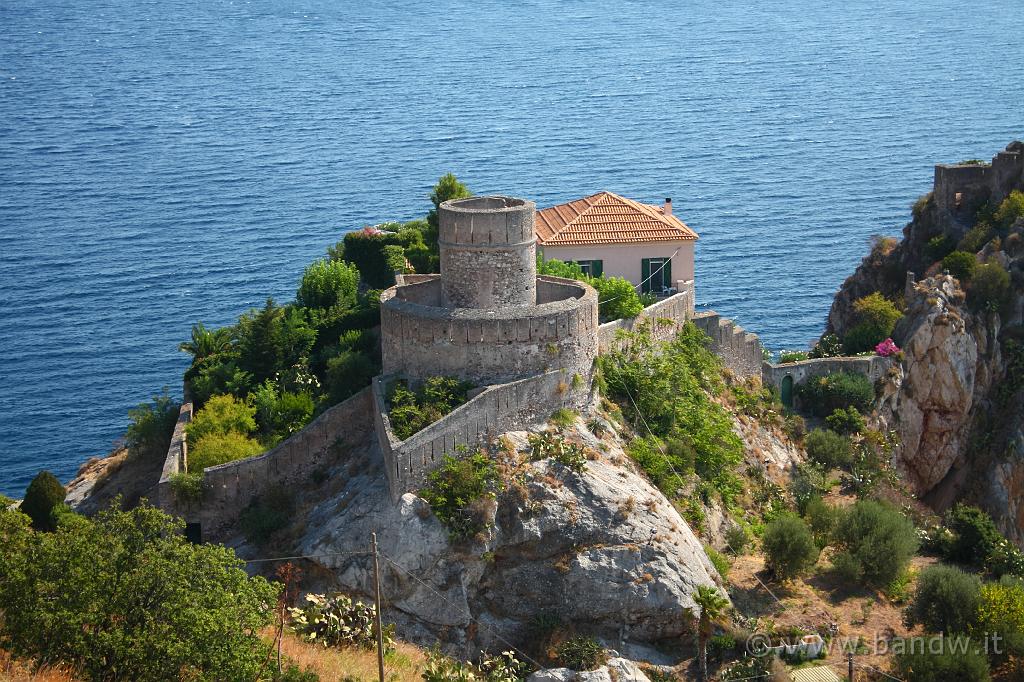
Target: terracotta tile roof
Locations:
point(607, 218)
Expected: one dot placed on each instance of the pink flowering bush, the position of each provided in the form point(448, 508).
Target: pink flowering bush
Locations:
point(887, 348)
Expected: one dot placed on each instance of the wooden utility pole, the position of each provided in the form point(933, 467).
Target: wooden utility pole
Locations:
point(380, 631)
point(849, 663)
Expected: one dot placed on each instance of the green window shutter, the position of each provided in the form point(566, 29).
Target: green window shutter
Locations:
point(645, 275)
point(667, 273)
point(597, 268)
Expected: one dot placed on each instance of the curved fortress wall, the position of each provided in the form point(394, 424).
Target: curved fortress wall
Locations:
point(488, 252)
point(421, 338)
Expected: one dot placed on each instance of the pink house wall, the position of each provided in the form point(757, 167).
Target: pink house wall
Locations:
point(623, 260)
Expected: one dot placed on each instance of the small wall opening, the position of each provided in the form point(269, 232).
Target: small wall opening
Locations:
point(787, 391)
point(194, 533)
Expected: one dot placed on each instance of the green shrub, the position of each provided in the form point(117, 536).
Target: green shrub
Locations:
point(846, 421)
point(990, 288)
point(875, 318)
point(977, 237)
point(125, 596)
point(737, 539)
point(221, 415)
point(563, 417)
point(1011, 209)
point(792, 356)
point(795, 427)
point(556, 268)
point(823, 519)
point(273, 339)
point(280, 413)
point(875, 543)
point(842, 390)
point(152, 424)
point(43, 497)
point(975, 535)
point(788, 546)
point(829, 346)
point(721, 645)
point(828, 448)
point(268, 513)
point(188, 488)
point(338, 621)
point(718, 560)
point(939, 247)
point(458, 492)
point(411, 412)
point(220, 448)
point(548, 444)
point(617, 298)
point(347, 373)
point(961, 265)
point(581, 653)
point(810, 481)
point(1001, 610)
point(939, 659)
point(945, 600)
point(328, 284)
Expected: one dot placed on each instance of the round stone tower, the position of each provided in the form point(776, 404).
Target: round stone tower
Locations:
point(488, 252)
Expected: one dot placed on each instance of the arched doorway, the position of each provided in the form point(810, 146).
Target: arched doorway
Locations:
point(787, 390)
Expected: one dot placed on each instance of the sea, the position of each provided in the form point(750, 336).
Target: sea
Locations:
point(163, 163)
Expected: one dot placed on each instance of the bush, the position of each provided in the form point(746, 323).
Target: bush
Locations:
point(810, 481)
point(946, 600)
point(961, 265)
point(976, 237)
point(548, 444)
point(975, 535)
point(990, 288)
point(823, 519)
point(939, 247)
point(875, 543)
point(328, 284)
point(940, 659)
point(188, 488)
point(337, 620)
point(456, 490)
point(617, 298)
point(347, 373)
point(1001, 610)
point(266, 514)
point(273, 339)
point(828, 448)
point(788, 356)
point(125, 596)
point(152, 424)
point(43, 497)
point(222, 415)
point(1010, 210)
point(721, 645)
point(788, 546)
point(846, 421)
point(875, 318)
point(718, 560)
point(412, 412)
point(824, 395)
point(220, 448)
point(737, 538)
point(581, 654)
point(829, 346)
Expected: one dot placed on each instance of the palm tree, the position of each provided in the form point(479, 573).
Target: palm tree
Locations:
point(206, 342)
point(712, 606)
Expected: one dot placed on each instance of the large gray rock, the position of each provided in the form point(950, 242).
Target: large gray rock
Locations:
point(603, 550)
point(616, 670)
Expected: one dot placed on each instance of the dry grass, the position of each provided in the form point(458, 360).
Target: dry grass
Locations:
point(404, 665)
point(18, 671)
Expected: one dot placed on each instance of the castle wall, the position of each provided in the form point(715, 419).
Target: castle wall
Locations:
point(741, 352)
point(496, 409)
point(978, 183)
point(665, 317)
point(231, 487)
point(488, 252)
point(421, 339)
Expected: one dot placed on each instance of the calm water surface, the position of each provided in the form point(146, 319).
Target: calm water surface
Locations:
point(162, 163)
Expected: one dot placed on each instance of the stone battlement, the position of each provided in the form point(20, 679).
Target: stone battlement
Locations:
point(962, 188)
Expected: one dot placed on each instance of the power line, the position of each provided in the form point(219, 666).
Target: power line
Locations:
point(306, 556)
point(643, 282)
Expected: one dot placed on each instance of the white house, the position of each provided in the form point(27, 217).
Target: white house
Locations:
point(611, 235)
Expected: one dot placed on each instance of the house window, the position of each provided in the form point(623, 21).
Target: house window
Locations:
point(591, 268)
point(656, 275)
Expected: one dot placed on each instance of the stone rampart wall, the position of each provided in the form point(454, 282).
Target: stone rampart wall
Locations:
point(231, 487)
point(493, 411)
point(741, 352)
point(177, 453)
point(420, 338)
point(666, 317)
point(873, 367)
point(979, 182)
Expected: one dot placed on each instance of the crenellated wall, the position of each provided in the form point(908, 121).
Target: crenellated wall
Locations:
point(420, 338)
point(494, 410)
point(977, 183)
point(666, 317)
point(741, 352)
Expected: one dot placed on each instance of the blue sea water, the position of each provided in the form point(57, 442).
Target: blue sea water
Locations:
point(174, 161)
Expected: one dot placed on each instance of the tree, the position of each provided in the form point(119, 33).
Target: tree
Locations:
point(875, 543)
point(220, 448)
point(940, 659)
point(876, 317)
point(222, 414)
point(961, 265)
point(946, 600)
point(828, 448)
point(975, 535)
point(44, 496)
point(328, 284)
point(990, 287)
point(712, 606)
point(272, 339)
point(1011, 209)
point(789, 546)
point(1001, 611)
point(448, 188)
point(152, 425)
point(616, 297)
point(206, 343)
point(125, 596)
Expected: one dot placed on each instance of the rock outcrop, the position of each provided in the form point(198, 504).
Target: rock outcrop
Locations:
point(615, 670)
point(603, 551)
